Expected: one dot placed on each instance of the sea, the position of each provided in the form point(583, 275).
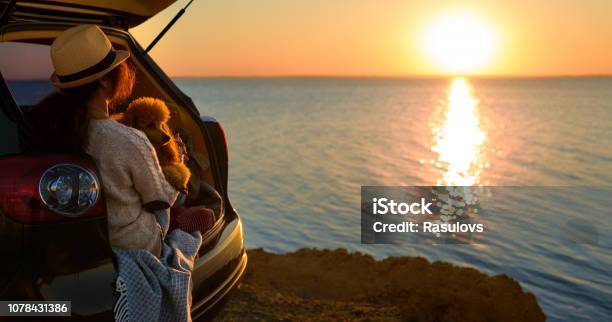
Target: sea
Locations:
point(300, 149)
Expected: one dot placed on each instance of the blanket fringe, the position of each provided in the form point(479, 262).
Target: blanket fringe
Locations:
point(121, 306)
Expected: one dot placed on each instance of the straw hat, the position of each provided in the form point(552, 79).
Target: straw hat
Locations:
point(83, 54)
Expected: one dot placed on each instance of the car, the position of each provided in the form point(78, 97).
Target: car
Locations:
point(54, 240)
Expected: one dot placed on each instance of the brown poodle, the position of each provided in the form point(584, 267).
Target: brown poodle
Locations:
point(151, 116)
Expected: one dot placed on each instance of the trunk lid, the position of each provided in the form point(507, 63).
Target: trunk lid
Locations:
point(122, 14)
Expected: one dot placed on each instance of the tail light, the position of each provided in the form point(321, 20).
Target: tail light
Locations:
point(217, 140)
point(69, 189)
point(222, 130)
point(49, 188)
point(206, 120)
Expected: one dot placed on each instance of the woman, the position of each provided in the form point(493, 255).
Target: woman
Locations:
point(92, 78)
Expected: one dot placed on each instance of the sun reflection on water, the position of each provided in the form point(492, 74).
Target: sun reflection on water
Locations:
point(459, 139)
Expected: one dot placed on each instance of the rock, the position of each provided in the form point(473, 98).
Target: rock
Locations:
point(332, 285)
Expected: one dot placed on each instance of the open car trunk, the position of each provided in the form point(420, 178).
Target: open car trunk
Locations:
point(222, 259)
point(205, 139)
point(122, 14)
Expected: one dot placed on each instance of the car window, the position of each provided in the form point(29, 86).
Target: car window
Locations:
point(26, 69)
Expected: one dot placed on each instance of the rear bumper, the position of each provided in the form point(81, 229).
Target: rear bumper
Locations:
point(199, 309)
point(219, 269)
point(89, 285)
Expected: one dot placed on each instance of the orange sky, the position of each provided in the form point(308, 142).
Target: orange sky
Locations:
point(371, 38)
point(376, 38)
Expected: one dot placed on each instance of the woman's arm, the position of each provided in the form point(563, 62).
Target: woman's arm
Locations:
point(148, 178)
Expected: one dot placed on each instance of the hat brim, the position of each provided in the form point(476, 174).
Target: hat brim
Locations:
point(121, 56)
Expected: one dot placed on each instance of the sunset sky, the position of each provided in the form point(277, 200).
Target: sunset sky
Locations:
point(396, 38)
point(384, 38)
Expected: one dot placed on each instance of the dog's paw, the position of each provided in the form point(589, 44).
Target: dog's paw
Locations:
point(177, 174)
point(118, 117)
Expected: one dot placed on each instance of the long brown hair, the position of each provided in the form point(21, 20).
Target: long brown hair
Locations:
point(60, 120)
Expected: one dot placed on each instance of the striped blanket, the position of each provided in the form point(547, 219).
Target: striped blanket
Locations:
point(152, 289)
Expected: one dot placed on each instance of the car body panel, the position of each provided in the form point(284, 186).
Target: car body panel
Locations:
point(115, 13)
point(9, 126)
point(64, 261)
point(11, 246)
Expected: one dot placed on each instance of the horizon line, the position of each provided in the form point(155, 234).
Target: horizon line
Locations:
point(331, 76)
point(254, 76)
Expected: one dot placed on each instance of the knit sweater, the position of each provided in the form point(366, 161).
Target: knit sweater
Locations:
point(131, 177)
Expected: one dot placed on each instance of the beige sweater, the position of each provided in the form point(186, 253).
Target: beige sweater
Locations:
point(131, 177)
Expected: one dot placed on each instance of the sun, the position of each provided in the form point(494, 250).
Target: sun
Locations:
point(459, 43)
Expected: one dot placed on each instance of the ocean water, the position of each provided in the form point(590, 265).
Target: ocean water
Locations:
point(300, 149)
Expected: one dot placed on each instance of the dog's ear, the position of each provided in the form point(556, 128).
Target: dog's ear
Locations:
point(167, 130)
point(170, 149)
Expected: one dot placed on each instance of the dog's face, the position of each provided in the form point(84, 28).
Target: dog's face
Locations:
point(158, 132)
point(150, 116)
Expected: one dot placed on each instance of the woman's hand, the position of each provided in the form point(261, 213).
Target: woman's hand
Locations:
point(182, 149)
